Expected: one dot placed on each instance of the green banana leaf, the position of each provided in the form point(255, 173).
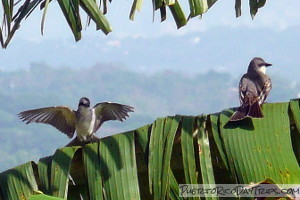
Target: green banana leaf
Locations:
point(198, 7)
point(43, 197)
point(19, 182)
point(70, 10)
point(136, 6)
point(118, 166)
point(178, 14)
point(93, 171)
point(152, 161)
point(60, 167)
point(91, 8)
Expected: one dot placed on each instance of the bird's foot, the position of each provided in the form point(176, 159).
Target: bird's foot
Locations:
point(94, 139)
point(75, 142)
point(78, 142)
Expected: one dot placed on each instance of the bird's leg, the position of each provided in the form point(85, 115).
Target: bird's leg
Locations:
point(75, 142)
point(94, 138)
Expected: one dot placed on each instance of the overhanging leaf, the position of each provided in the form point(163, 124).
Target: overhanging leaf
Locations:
point(136, 6)
point(238, 8)
point(12, 22)
point(169, 2)
point(44, 15)
point(72, 16)
point(255, 5)
point(18, 17)
point(97, 16)
point(210, 3)
point(103, 3)
point(261, 3)
point(25, 10)
point(198, 7)
point(163, 13)
point(203, 7)
point(157, 4)
point(178, 14)
point(1, 38)
point(7, 13)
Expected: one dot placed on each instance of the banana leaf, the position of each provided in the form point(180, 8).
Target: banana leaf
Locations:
point(43, 197)
point(151, 162)
point(19, 182)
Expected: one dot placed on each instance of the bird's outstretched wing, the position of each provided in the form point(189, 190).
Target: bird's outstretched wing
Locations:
point(61, 117)
point(110, 111)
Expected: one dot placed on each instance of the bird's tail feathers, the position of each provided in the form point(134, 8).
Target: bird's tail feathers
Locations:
point(255, 111)
point(240, 114)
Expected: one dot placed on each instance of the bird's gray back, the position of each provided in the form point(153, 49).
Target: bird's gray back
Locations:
point(251, 86)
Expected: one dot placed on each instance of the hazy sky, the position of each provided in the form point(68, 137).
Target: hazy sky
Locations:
point(58, 48)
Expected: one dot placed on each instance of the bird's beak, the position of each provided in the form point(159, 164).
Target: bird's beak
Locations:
point(268, 64)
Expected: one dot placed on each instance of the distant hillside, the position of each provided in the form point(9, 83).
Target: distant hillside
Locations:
point(153, 95)
point(222, 48)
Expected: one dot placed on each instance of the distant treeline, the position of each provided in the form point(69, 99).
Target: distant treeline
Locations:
point(152, 95)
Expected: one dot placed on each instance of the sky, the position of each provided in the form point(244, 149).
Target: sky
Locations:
point(219, 41)
point(58, 48)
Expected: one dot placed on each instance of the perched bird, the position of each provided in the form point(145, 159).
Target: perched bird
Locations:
point(254, 88)
point(85, 120)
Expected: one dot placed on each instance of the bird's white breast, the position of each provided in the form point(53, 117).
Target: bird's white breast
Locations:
point(85, 123)
point(262, 69)
point(92, 124)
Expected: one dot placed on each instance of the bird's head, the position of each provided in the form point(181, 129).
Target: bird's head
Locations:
point(258, 64)
point(85, 102)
